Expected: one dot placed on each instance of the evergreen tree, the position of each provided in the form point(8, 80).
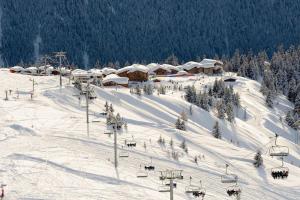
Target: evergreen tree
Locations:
point(229, 112)
point(258, 160)
point(106, 107)
point(111, 108)
point(269, 100)
point(221, 109)
point(216, 130)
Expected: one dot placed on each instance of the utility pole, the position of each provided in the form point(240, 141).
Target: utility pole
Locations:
point(171, 175)
point(115, 146)
point(60, 55)
point(87, 96)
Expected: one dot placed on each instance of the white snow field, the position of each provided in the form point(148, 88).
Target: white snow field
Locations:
point(46, 153)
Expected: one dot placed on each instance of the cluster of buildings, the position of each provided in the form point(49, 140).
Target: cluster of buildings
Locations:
point(142, 73)
point(132, 73)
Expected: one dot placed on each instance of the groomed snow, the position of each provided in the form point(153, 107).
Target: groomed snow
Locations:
point(46, 153)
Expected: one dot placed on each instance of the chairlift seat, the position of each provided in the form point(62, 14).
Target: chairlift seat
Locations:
point(164, 188)
point(229, 178)
point(192, 189)
point(124, 154)
point(142, 174)
point(234, 190)
point(280, 172)
point(108, 133)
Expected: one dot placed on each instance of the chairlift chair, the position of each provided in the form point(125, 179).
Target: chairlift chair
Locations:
point(130, 143)
point(280, 172)
point(150, 166)
point(174, 184)
point(123, 153)
point(229, 178)
point(141, 173)
point(108, 133)
point(191, 188)
point(234, 190)
point(277, 150)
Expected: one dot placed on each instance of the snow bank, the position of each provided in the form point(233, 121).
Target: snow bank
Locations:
point(190, 65)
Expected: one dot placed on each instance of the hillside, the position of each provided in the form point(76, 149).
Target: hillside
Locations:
point(143, 30)
point(46, 153)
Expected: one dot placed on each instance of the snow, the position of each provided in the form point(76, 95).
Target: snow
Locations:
point(116, 79)
point(46, 153)
point(108, 70)
point(191, 65)
point(17, 68)
point(133, 68)
point(210, 63)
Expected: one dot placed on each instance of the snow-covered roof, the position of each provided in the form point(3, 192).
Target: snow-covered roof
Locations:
point(182, 73)
point(209, 63)
point(191, 65)
point(80, 72)
point(171, 67)
point(17, 68)
point(133, 68)
point(108, 70)
point(43, 67)
point(31, 69)
point(154, 66)
point(97, 72)
point(116, 79)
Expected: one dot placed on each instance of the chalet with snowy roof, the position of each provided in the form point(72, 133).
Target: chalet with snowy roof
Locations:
point(114, 80)
point(193, 67)
point(211, 66)
point(107, 71)
point(16, 69)
point(134, 72)
point(157, 69)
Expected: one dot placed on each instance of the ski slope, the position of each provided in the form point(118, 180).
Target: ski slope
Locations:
point(46, 153)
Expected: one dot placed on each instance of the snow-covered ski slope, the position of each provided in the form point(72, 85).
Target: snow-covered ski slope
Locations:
point(46, 153)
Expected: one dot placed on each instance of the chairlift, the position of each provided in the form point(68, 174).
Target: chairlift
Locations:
point(141, 173)
point(229, 178)
point(197, 191)
point(123, 153)
point(280, 172)
point(150, 166)
point(130, 143)
point(277, 150)
point(234, 190)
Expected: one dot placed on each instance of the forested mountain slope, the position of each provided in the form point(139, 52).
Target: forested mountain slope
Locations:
point(137, 30)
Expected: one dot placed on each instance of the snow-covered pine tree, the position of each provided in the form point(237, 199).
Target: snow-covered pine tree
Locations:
point(183, 116)
point(111, 108)
point(258, 160)
point(216, 130)
point(269, 99)
point(229, 112)
point(106, 107)
point(138, 90)
point(221, 109)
